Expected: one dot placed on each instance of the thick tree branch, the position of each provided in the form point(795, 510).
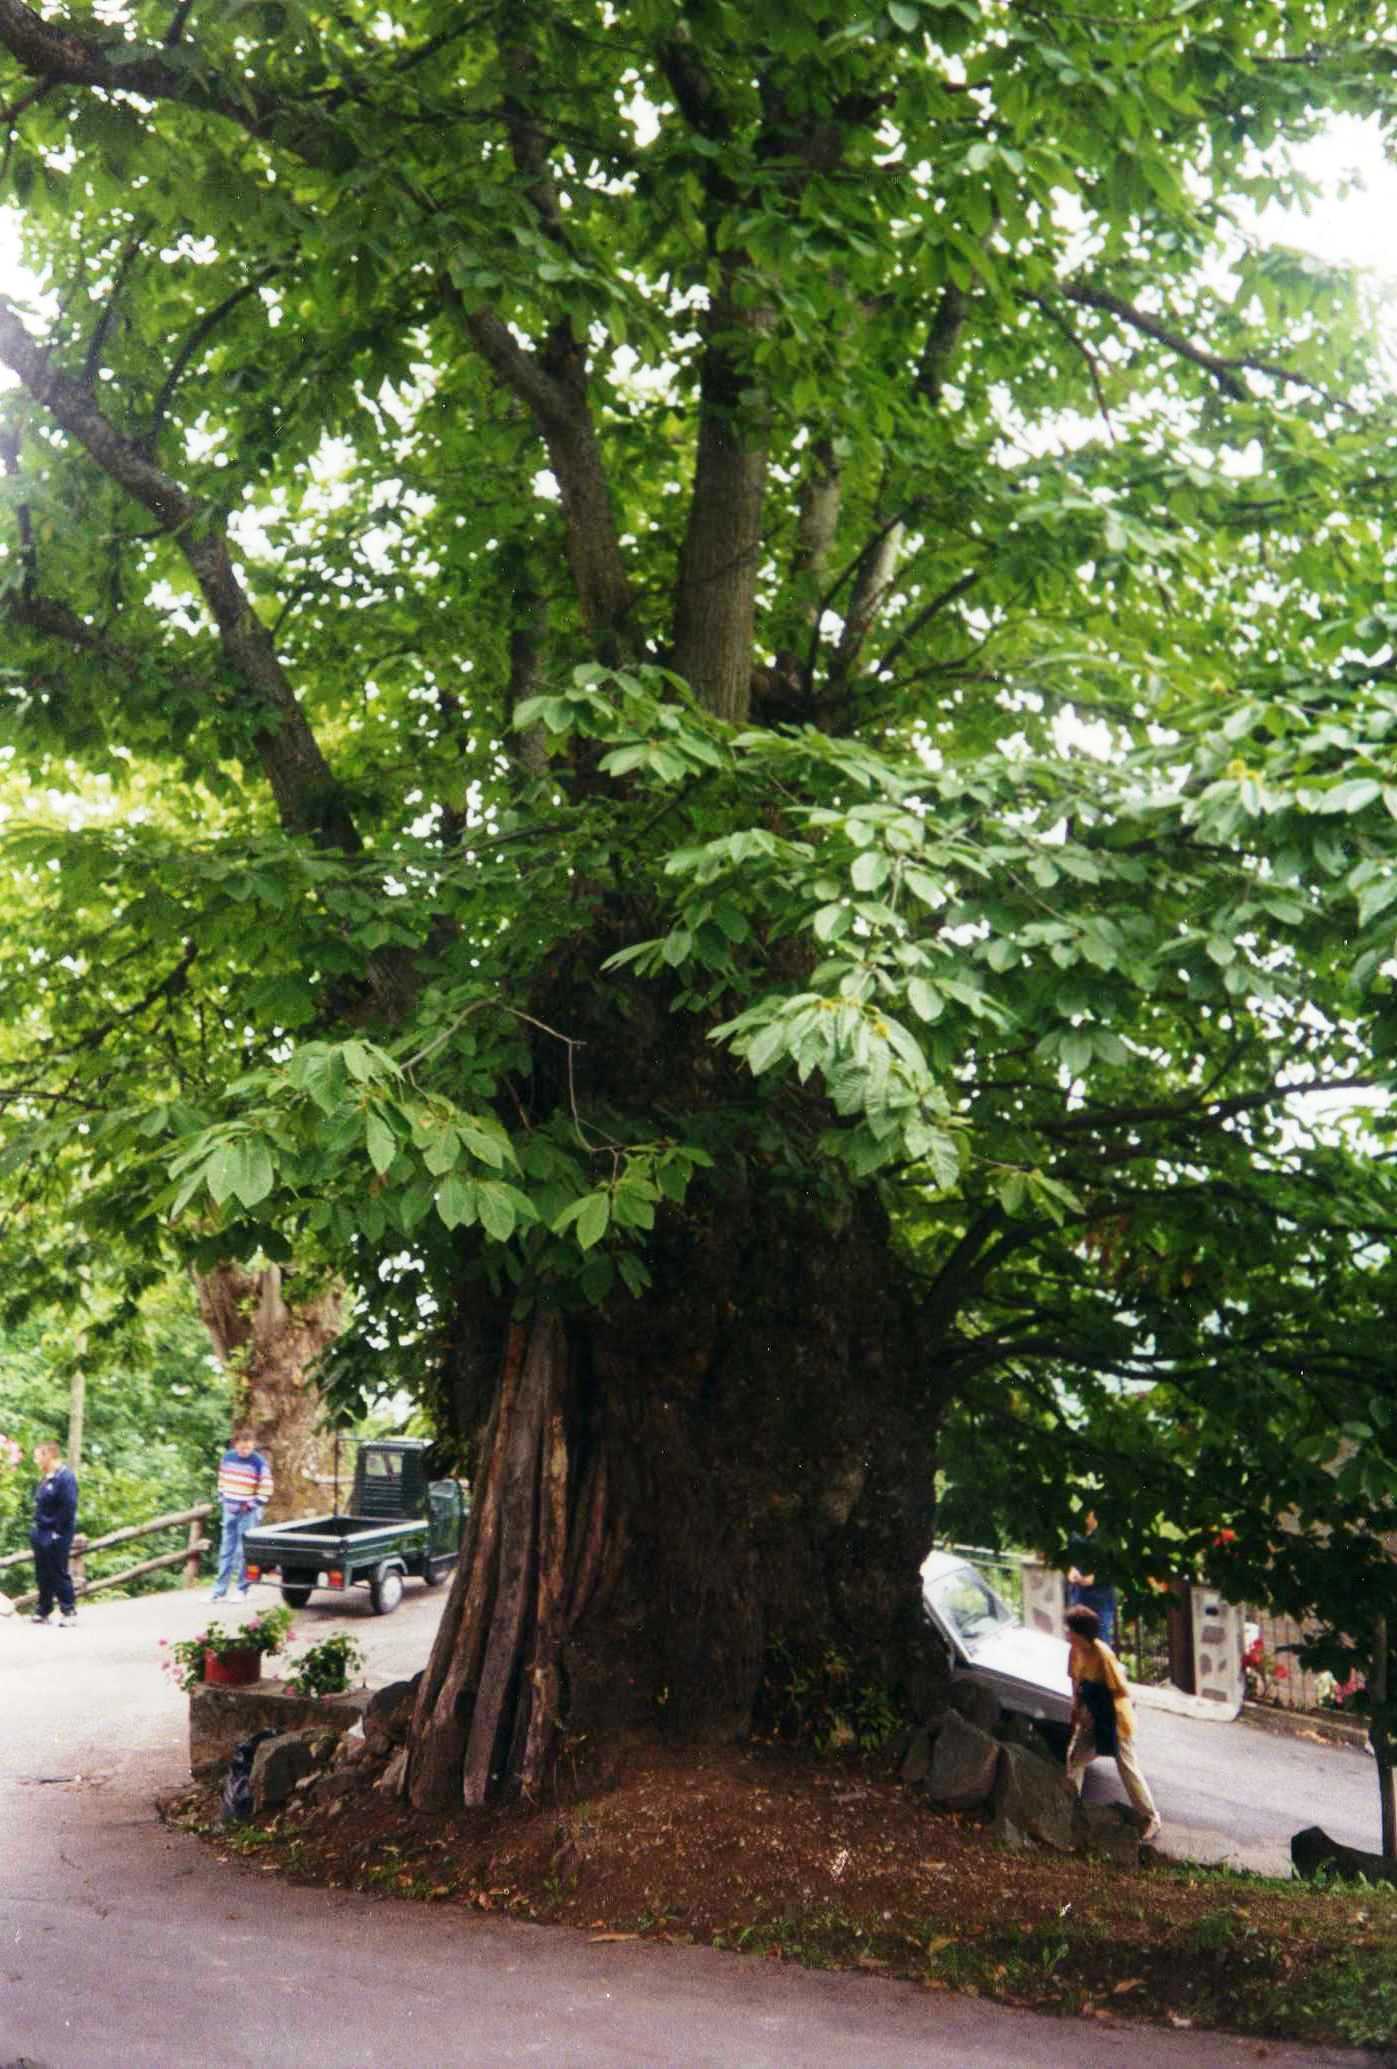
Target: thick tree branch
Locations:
point(876, 566)
point(557, 400)
point(193, 345)
point(92, 363)
point(1225, 371)
point(942, 339)
point(307, 797)
point(58, 53)
point(28, 552)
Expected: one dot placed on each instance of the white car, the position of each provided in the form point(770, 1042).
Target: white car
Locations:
point(989, 1643)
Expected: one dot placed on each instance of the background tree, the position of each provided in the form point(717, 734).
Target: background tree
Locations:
point(763, 622)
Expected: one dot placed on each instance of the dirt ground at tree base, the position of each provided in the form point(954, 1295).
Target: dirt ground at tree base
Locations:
point(783, 1857)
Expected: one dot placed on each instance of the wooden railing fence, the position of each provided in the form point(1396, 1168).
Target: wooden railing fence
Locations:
point(188, 1554)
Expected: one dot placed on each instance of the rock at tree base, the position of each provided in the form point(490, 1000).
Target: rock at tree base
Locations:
point(916, 1761)
point(332, 1787)
point(389, 1713)
point(277, 1766)
point(1313, 1850)
point(1112, 1833)
point(220, 1717)
point(1016, 1730)
point(963, 1765)
point(977, 1704)
point(1035, 1799)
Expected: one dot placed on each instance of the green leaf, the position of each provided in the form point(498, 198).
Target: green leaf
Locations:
point(764, 1049)
point(1354, 796)
point(222, 1171)
point(593, 1217)
point(456, 1201)
point(357, 1061)
point(925, 1000)
point(1076, 1051)
point(495, 1203)
point(382, 1142)
point(870, 869)
point(1376, 898)
point(254, 1176)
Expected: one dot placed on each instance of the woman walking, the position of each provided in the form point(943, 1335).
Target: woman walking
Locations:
point(1103, 1720)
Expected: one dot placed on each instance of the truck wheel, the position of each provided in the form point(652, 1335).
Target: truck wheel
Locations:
point(386, 1591)
point(433, 1575)
point(295, 1597)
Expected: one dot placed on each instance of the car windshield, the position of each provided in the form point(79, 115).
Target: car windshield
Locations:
point(970, 1606)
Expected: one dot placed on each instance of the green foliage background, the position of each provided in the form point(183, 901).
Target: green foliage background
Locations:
point(156, 1423)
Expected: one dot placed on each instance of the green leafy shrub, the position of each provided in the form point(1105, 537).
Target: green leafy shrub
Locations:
point(326, 1668)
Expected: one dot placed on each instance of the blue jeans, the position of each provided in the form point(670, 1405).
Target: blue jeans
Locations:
point(232, 1561)
point(1102, 1600)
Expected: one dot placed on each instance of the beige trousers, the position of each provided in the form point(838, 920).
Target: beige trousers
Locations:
point(1083, 1749)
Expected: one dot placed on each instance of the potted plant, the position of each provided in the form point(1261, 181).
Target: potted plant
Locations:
point(231, 1658)
point(324, 1669)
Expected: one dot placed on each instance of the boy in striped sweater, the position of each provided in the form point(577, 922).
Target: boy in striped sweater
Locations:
point(244, 1489)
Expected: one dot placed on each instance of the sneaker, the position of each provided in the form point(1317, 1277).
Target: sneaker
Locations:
point(216, 1596)
point(37, 1619)
point(68, 1619)
point(243, 1593)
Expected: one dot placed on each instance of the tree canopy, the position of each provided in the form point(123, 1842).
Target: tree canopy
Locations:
point(703, 696)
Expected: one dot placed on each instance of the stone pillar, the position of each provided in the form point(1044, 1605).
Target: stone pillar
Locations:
point(1217, 1648)
point(1044, 1595)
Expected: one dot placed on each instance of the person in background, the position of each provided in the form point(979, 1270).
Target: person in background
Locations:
point(1103, 1720)
point(244, 1489)
point(1087, 1585)
point(55, 1520)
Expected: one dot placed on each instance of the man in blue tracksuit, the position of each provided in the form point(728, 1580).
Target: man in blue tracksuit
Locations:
point(55, 1519)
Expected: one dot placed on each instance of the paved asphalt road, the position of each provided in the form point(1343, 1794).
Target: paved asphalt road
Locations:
point(126, 1946)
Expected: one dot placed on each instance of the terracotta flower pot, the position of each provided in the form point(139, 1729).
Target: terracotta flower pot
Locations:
point(233, 1669)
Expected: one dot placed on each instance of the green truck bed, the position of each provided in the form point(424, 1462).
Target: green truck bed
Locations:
point(400, 1524)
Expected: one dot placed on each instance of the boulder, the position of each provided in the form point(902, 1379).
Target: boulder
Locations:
point(219, 1718)
point(916, 1761)
point(1111, 1831)
point(1032, 1797)
point(963, 1765)
point(1313, 1850)
point(277, 1765)
point(976, 1703)
point(389, 1712)
point(1018, 1730)
point(331, 1788)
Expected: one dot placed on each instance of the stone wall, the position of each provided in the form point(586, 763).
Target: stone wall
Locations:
point(220, 1717)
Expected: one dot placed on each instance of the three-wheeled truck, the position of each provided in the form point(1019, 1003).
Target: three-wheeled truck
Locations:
point(400, 1522)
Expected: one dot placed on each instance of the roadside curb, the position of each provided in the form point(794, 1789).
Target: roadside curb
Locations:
point(1155, 1695)
point(1299, 1724)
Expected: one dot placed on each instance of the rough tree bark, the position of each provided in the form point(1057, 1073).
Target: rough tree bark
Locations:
point(670, 1489)
point(269, 1345)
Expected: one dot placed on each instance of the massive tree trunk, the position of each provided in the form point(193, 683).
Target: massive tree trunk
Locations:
point(668, 1489)
point(269, 1345)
